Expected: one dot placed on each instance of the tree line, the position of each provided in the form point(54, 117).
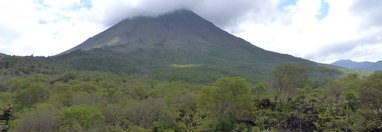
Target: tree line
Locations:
point(99, 101)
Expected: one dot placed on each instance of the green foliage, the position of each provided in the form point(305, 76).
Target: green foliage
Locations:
point(352, 99)
point(145, 113)
point(12, 65)
point(40, 119)
point(32, 94)
point(288, 77)
point(81, 118)
point(6, 99)
point(228, 99)
point(372, 102)
point(74, 100)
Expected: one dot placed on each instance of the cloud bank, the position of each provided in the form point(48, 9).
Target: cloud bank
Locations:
point(319, 30)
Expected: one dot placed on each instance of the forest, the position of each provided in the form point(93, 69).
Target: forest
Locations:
point(40, 97)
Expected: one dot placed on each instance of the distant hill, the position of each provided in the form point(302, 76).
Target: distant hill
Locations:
point(363, 66)
point(179, 46)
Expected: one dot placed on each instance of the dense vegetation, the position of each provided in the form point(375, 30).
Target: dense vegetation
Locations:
point(38, 95)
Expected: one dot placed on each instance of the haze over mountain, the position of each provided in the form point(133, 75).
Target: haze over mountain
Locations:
point(363, 66)
point(179, 45)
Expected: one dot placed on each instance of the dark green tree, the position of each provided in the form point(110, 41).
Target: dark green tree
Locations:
point(32, 94)
point(288, 77)
point(371, 100)
point(81, 118)
point(227, 101)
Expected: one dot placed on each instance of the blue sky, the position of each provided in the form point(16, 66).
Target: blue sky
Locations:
point(284, 3)
point(318, 30)
point(323, 10)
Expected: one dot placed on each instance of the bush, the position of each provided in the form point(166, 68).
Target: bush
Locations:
point(81, 118)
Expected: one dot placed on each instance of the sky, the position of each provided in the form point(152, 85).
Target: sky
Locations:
point(319, 30)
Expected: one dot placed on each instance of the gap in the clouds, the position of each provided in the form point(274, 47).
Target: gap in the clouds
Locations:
point(324, 9)
point(87, 4)
point(285, 3)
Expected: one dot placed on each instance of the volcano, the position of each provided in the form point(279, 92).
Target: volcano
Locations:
point(179, 45)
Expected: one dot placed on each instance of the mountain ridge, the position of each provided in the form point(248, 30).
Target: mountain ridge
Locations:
point(363, 66)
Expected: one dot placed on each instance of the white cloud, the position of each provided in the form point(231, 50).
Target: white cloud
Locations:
point(43, 27)
point(292, 31)
point(299, 32)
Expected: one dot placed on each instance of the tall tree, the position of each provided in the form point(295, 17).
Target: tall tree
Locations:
point(81, 118)
point(288, 77)
point(229, 99)
point(371, 99)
